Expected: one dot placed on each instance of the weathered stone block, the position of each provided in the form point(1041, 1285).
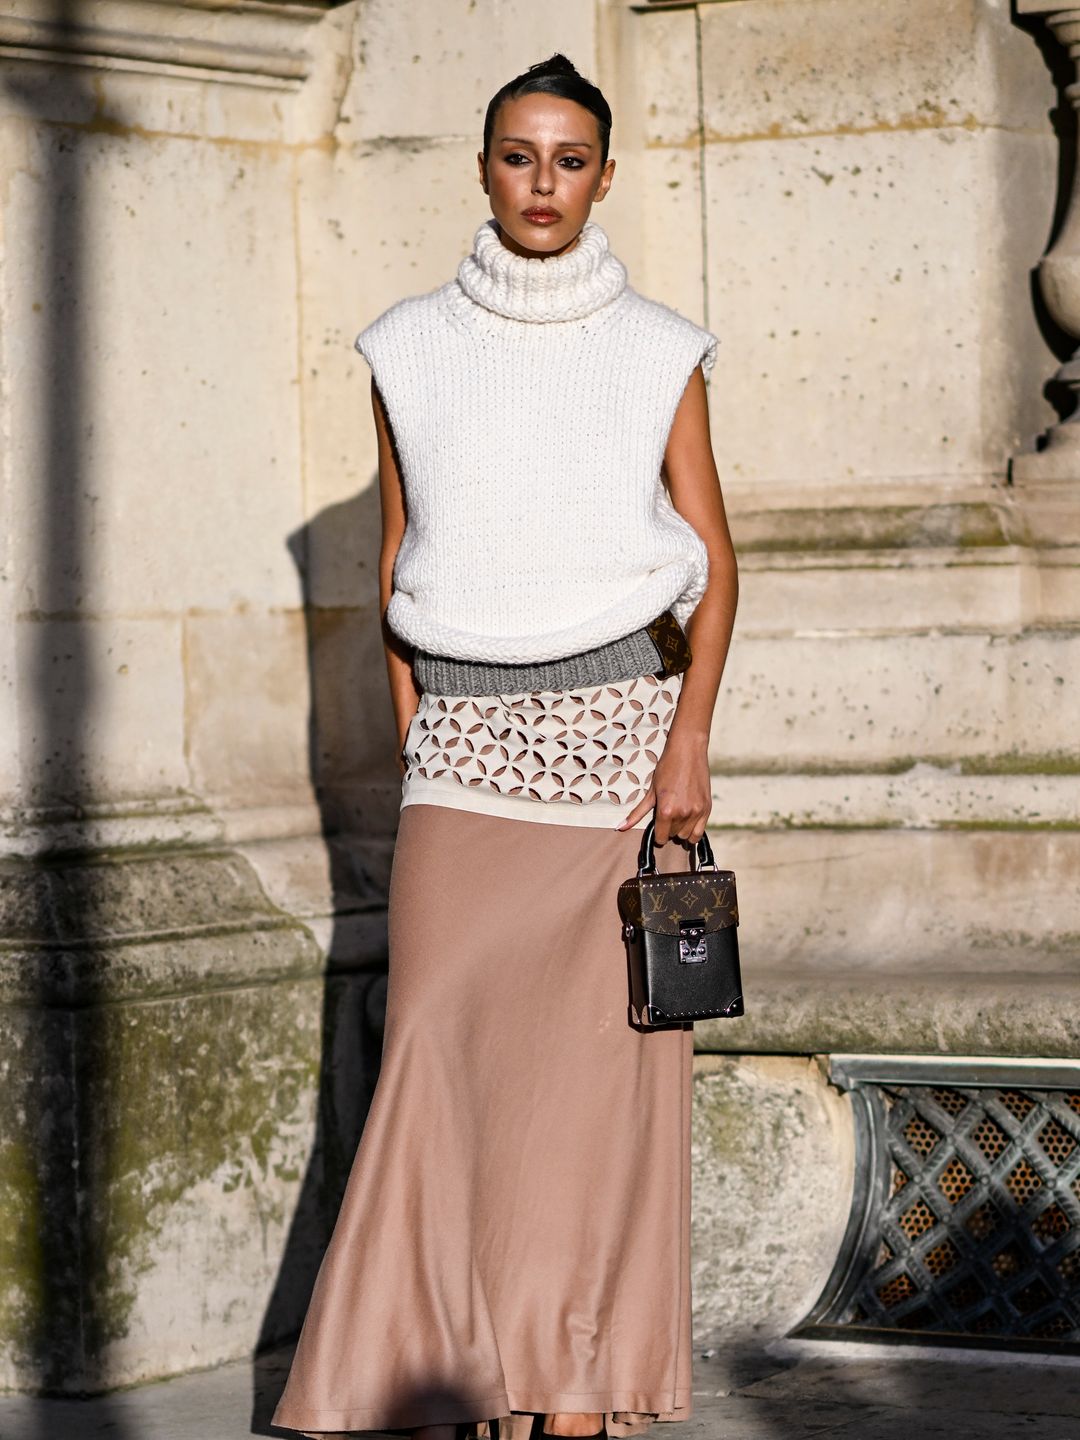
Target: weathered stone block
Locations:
point(851, 276)
point(815, 700)
point(958, 1011)
point(773, 1148)
point(248, 705)
point(353, 719)
point(848, 65)
point(673, 270)
point(457, 41)
point(99, 698)
point(181, 1098)
point(177, 498)
point(905, 902)
point(920, 797)
point(664, 49)
point(879, 592)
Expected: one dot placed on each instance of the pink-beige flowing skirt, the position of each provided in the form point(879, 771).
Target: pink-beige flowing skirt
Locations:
point(514, 1236)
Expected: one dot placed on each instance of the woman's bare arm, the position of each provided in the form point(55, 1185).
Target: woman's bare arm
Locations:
point(682, 787)
point(404, 695)
point(694, 486)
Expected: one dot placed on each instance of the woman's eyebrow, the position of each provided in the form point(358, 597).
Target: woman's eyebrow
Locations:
point(566, 144)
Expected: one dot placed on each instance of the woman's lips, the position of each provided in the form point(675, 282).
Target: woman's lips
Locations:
point(542, 217)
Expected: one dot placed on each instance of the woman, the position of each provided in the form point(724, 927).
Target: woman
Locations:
point(513, 1244)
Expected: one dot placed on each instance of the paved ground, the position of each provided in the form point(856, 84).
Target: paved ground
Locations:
point(793, 1390)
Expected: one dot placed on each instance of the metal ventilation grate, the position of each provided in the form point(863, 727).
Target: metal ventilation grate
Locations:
point(969, 1217)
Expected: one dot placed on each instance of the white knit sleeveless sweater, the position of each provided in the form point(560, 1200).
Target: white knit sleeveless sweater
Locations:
point(530, 403)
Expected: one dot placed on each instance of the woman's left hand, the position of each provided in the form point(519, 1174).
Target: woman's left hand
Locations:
point(681, 790)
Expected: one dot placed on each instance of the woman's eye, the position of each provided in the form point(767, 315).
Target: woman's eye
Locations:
point(568, 162)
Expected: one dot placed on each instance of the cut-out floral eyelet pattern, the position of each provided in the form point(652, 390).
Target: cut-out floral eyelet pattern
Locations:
point(579, 746)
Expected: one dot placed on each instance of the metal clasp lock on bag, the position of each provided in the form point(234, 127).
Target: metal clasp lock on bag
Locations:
point(692, 942)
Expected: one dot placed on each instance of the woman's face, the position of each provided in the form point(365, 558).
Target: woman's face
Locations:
point(543, 173)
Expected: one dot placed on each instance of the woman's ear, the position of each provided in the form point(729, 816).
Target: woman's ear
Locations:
point(483, 170)
point(606, 177)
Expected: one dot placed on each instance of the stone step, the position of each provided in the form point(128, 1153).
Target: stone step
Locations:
point(897, 1012)
point(837, 700)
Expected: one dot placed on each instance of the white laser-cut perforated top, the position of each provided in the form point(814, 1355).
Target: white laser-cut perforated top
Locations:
point(569, 757)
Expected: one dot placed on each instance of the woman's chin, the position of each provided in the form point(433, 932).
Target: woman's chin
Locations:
point(538, 242)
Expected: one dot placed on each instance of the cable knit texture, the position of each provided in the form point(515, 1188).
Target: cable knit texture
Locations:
point(566, 288)
point(530, 403)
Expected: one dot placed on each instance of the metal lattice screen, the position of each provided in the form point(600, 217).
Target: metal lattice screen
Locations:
point(972, 1223)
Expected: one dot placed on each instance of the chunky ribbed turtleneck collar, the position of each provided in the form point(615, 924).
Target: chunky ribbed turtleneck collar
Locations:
point(564, 287)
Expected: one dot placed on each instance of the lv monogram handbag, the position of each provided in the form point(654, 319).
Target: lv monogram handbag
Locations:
point(681, 933)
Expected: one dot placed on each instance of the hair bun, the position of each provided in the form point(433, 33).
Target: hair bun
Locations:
point(558, 64)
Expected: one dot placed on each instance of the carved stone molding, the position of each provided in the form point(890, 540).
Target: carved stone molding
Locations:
point(672, 4)
point(1048, 480)
point(251, 42)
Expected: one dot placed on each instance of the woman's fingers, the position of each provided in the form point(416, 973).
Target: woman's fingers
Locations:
point(643, 807)
point(675, 822)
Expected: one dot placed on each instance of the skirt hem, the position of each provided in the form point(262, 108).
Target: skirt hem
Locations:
point(456, 1412)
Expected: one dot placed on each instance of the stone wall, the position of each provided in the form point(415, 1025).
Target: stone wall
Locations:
point(201, 208)
point(866, 189)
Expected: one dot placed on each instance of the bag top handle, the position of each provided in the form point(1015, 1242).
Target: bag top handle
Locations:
point(701, 856)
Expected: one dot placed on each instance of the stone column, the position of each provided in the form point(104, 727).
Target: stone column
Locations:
point(159, 1014)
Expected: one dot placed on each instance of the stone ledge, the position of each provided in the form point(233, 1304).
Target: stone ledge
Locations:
point(239, 44)
point(870, 526)
point(245, 956)
point(922, 796)
point(100, 930)
point(997, 1014)
point(1029, 516)
point(110, 899)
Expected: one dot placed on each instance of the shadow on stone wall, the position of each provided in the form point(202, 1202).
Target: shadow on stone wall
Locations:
point(350, 749)
point(67, 1318)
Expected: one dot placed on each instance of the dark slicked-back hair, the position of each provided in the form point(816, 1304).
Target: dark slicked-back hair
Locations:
point(556, 76)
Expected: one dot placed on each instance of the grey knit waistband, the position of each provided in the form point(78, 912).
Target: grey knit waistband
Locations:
point(621, 659)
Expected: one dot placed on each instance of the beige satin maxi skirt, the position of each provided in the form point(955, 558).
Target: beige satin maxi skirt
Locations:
point(514, 1236)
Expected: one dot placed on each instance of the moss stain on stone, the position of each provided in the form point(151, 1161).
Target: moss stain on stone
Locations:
point(1013, 762)
point(231, 1074)
point(174, 1098)
point(1010, 762)
point(22, 1274)
point(831, 529)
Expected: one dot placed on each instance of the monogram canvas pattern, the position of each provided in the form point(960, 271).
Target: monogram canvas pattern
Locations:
point(670, 640)
point(659, 902)
point(578, 746)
